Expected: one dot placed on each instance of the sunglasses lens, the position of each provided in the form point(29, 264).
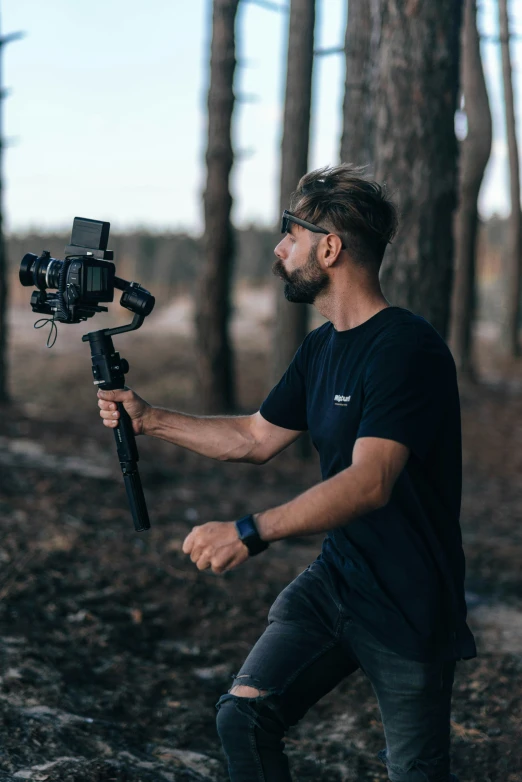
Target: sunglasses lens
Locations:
point(284, 224)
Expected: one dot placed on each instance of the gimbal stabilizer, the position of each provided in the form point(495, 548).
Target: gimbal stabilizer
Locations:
point(109, 372)
point(84, 279)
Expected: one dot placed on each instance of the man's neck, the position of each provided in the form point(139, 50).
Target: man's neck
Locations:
point(347, 311)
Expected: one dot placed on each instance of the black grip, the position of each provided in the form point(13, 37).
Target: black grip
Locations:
point(128, 456)
point(135, 496)
point(124, 436)
point(109, 370)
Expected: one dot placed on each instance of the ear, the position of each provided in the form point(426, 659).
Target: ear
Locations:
point(331, 249)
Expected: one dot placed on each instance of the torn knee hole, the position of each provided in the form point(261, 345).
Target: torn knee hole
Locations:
point(250, 690)
point(243, 691)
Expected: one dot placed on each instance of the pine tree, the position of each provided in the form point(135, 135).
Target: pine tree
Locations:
point(215, 358)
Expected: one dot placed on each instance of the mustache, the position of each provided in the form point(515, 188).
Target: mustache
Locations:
point(279, 270)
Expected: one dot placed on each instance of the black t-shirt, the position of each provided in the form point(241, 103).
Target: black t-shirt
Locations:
point(399, 569)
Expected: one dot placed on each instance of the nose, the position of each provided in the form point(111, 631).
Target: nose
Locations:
point(279, 250)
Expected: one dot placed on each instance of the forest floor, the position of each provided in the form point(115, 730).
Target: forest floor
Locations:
point(114, 649)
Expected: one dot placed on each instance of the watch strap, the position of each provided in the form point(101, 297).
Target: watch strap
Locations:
point(248, 534)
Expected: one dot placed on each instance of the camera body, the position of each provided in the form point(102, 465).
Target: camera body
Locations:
point(85, 278)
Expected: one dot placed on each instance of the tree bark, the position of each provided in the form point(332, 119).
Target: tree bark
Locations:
point(513, 276)
point(474, 155)
point(416, 150)
point(292, 319)
point(357, 134)
point(4, 393)
point(215, 358)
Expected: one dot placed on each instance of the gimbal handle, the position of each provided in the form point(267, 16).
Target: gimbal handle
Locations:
point(109, 374)
point(126, 447)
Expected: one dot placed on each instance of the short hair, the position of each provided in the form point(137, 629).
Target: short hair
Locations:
point(342, 199)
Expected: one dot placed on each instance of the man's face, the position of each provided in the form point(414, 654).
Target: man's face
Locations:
point(298, 267)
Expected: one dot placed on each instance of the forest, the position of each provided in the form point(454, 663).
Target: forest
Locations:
point(114, 648)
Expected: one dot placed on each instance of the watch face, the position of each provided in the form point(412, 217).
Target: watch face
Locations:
point(249, 535)
point(246, 527)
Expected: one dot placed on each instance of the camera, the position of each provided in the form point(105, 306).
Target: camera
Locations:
point(84, 279)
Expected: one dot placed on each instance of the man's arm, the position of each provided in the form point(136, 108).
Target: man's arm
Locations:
point(364, 486)
point(248, 438)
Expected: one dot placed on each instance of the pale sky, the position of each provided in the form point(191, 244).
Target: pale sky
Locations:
point(106, 113)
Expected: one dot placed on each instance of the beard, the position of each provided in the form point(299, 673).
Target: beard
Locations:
point(303, 285)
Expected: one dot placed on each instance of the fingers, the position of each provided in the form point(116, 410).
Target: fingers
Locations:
point(118, 395)
point(201, 557)
point(109, 412)
point(108, 407)
point(110, 418)
point(188, 542)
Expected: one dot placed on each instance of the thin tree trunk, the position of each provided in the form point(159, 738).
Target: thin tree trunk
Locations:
point(474, 155)
point(292, 319)
point(4, 393)
point(215, 357)
point(357, 134)
point(416, 150)
point(513, 277)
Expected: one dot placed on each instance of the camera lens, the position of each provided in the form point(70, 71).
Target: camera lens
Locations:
point(26, 267)
point(52, 273)
point(41, 271)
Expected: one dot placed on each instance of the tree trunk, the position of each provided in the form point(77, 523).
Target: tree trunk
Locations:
point(513, 277)
point(215, 359)
point(416, 150)
point(291, 324)
point(4, 393)
point(357, 134)
point(474, 155)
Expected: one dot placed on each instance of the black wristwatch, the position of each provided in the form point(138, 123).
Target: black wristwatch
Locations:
point(248, 534)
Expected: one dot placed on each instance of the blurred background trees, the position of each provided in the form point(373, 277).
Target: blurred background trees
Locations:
point(4, 392)
point(514, 259)
point(215, 359)
point(415, 151)
point(291, 322)
point(357, 131)
point(407, 65)
point(475, 149)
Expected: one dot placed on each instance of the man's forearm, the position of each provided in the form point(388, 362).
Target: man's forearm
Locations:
point(226, 438)
point(332, 503)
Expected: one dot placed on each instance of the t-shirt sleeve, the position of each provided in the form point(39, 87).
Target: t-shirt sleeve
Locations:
point(407, 388)
point(285, 405)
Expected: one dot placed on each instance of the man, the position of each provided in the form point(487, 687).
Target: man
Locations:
point(376, 388)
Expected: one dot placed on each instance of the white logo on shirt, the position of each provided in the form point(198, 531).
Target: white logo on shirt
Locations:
point(339, 399)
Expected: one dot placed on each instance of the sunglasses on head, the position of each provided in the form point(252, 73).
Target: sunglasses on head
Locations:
point(288, 218)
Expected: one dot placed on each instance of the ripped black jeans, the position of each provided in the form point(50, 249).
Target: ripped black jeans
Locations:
point(309, 646)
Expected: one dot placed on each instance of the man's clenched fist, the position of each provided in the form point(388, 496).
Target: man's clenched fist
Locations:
point(215, 545)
